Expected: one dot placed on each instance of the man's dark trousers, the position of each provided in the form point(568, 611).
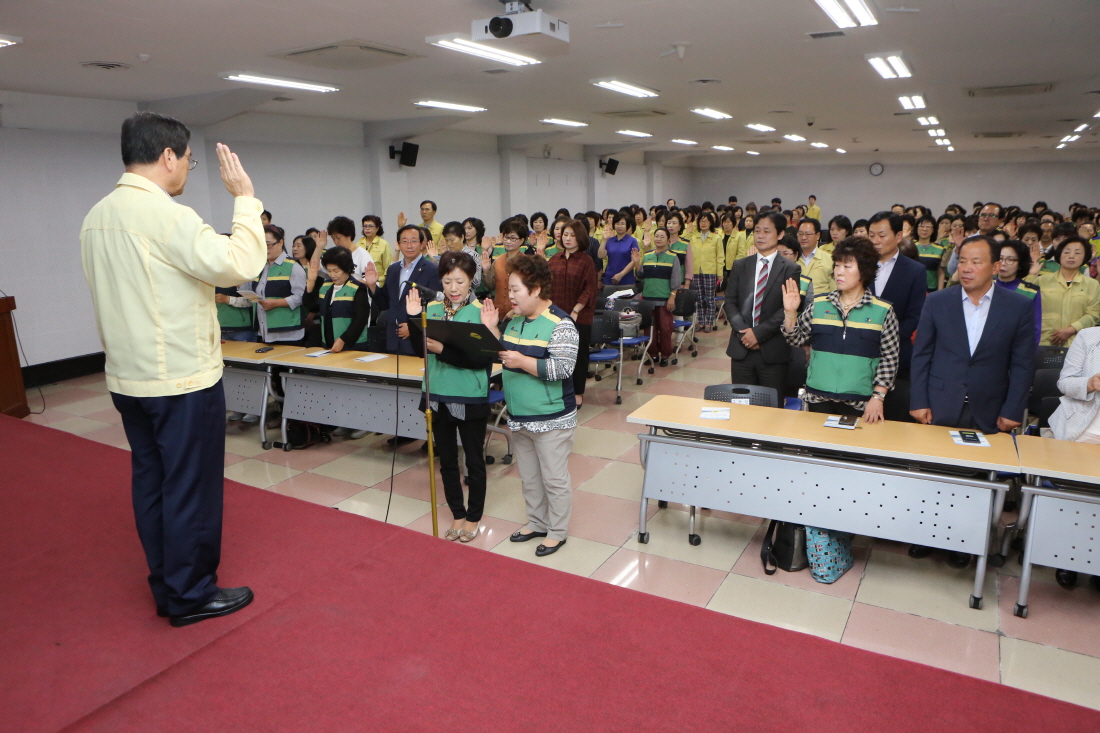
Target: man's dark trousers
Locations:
point(177, 448)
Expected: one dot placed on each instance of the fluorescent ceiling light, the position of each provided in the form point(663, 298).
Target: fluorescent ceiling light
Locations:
point(889, 65)
point(836, 13)
point(941, 141)
point(450, 105)
point(567, 123)
point(1059, 146)
point(819, 145)
point(685, 142)
point(725, 148)
point(928, 120)
point(882, 68)
point(10, 41)
point(623, 88)
point(795, 138)
point(841, 150)
point(950, 149)
point(946, 142)
point(634, 133)
point(712, 113)
point(462, 45)
point(275, 82)
point(936, 133)
point(1097, 114)
point(1071, 138)
point(899, 67)
point(861, 11)
point(752, 152)
point(915, 101)
point(760, 128)
point(906, 102)
point(1080, 128)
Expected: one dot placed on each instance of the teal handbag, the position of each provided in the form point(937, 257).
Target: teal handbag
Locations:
point(829, 553)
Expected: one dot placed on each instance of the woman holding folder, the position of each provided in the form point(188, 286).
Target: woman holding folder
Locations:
point(460, 393)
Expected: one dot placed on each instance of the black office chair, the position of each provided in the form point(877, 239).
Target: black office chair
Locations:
point(683, 322)
point(796, 373)
point(1043, 387)
point(1050, 357)
point(760, 396)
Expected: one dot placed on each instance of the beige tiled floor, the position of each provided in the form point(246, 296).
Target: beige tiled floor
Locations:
point(888, 603)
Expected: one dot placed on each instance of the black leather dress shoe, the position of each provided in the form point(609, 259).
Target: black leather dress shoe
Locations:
point(958, 560)
point(518, 536)
point(1066, 578)
point(919, 551)
point(543, 550)
point(224, 602)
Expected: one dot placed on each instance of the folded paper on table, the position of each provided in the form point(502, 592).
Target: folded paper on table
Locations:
point(372, 357)
point(715, 413)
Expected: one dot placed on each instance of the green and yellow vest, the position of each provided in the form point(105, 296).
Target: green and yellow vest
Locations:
point(845, 354)
point(341, 312)
point(657, 275)
point(454, 384)
point(278, 286)
point(931, 256)
point(680, 249)
point(530, 398)
point(230, 318)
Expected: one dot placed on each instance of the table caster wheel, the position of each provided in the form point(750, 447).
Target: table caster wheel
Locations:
point(695, 339)
point(507, 459)
point(287, 447)
point(618, 399)
point(694, 540)
point(1020, 611)
point(662, 504)
point(997, 560)
point(640, 379)
point(643, 538)
point(976, 603)
point(266, 445)
point(674, 362)
point(695, 353)
point(490, 460)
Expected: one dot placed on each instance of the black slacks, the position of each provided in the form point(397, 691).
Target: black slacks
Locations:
point(447, 432)
point(177, 446)
point(753, 370)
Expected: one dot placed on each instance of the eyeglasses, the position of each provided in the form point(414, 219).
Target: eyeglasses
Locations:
point(987, 216)
point(1010, 259)
point(806, 234)
point(193, 162)
point(513, 238)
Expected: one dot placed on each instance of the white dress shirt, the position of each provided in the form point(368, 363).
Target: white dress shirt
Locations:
point(883, 274)
point(760, 260)
point(976, 315)
point(360, 258)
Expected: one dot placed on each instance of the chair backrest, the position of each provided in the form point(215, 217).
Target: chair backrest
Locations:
point(762, 396)
point(685, 303)
point(1050, 357)
point(796, 372)
point(1045, 384)
point(642, 307)
point(605, 328)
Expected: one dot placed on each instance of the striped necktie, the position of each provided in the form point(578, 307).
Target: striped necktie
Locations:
point(761, 283)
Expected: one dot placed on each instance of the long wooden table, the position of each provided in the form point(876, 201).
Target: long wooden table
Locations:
point(1064, 522)
point(899, 481)
point(247, 378)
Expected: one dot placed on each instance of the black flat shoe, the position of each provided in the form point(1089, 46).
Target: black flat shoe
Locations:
point(919, 552)
point(543, 550)
point(518, 536)
point(1066, 578)
point(224, 602)
point(958, 560)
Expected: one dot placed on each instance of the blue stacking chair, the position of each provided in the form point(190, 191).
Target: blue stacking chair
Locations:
point(605, 331)
point(683, 323)
point(645, 309)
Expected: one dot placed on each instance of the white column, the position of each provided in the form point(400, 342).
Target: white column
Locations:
point(513, 182)
point(654, 183)
point(597, 184)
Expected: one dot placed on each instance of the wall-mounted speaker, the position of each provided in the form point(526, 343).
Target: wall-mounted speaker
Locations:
point(610, 166)
point(406, 154)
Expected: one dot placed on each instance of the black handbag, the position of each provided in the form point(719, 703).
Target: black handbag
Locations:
point(784, 548)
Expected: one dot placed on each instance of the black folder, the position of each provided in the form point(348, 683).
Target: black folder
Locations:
point(469, 338)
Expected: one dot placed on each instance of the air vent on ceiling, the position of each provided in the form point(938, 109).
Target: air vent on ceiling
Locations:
point(632, 114)
point(705, 81)
point(283, 99)
point(348, 55)
point(997, 135)
point(825, 34)
point(496, 71)
point(106, 65)
point(1016, 90)
point(779, 112)
point(756, 141)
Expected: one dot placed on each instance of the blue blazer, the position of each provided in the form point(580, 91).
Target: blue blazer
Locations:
point(906, 290)
point(393, 297)
point(996, 379)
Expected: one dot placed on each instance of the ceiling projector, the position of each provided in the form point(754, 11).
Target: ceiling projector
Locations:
point(519, 20)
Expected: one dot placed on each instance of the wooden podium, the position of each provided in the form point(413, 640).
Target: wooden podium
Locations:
point(13, 398)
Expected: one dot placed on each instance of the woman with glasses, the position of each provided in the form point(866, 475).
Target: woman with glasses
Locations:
point(1015, 265)
point(930, 253)
point(379, 249)
point(494, 271)
point(709, 260)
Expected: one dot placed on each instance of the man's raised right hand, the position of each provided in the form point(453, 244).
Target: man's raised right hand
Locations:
point(236, 180)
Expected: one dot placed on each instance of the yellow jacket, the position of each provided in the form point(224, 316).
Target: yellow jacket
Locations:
point(381, 252)
point(152, 266)
point(707, 254)
point(736, 247)
point(814, 212)
point(1065, 304)
point(820, 271)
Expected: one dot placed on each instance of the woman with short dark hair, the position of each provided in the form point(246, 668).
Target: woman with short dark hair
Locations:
point(709, 260)
point(1015, 265)
point(1071, 299)
point(575, 289)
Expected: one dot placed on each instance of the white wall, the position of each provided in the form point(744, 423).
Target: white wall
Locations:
point(676, 184)
point(462, 184)
point(851, 190)
point(627, 186)
point(552, 184)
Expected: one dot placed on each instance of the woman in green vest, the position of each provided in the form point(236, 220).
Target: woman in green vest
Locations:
point(661, 277)
point(234, 315)
point(930, 253)
point(460, 393)
point(680, 245)
point(281, 287)
point(346, 307)
point(853, 336)
point(540, 354)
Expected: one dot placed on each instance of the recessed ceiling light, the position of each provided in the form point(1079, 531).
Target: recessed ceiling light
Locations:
point(752, 152)
point(841, 150)
point(936, 133)
point(941, 141)
point(840, 16)
point(712, 113)
point(1071, 138)
point(915, 101)
point(623, 88)
point(457, 43)
point(928, 120)
point(567, 123)
point(819, 145)
point(760, 128)
point(889, 65)
point(10, 41)
point(899, 67)
point(1059, 146)
point(861, 11)
point(795, 138)
point(275, 82)
point(950, 149)
point(634, 133)
point(450, 105)
point(946, 141)
point(725, 148)
point(685, 142)
point(1080, 128)
point(1097, 114)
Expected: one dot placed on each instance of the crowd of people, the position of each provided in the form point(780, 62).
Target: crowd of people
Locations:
point(870, 306)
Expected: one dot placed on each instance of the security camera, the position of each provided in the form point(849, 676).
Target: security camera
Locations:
point(809, 122)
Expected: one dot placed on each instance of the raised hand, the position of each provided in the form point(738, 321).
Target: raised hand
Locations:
point(486, 256)
point(791, 297)
point(432, 249)
point(636, 257)
point(412, 302)
point(321, 238)
point(489, 315)
point(401, 220)
point(370, 275)
point(235, 179)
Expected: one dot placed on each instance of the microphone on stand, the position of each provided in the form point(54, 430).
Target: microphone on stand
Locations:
point(426, 292)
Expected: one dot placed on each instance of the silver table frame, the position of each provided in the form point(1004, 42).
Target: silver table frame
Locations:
point(1063, 531)
point(247, 387)
point(914, 505)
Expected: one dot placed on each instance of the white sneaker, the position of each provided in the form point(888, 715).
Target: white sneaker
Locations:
point(357, 434)
point(250, 419)
point(234, 415)
point(340, 431)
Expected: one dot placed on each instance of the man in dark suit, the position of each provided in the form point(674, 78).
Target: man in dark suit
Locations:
point(414, 266)
point(974, 356)
point(902, 282)
point(757, 349)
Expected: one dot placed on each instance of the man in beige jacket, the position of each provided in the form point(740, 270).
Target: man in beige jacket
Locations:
point(152, 266)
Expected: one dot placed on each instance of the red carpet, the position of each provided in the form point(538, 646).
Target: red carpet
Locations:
point(362, 626)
